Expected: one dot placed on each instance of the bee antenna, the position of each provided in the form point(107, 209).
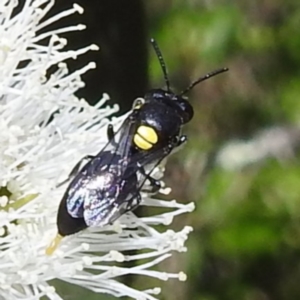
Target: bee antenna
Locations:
point(161, 62)
point(203, 78)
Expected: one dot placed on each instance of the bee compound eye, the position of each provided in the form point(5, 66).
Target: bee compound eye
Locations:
point(138, 103)
point(187, 111)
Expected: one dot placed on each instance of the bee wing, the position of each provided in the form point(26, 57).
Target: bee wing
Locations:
point(84, 197)
point(125, 136)
point(100, 211)
point(148, 160)
point(100, 206)
point(121, 143)
point(137, 179)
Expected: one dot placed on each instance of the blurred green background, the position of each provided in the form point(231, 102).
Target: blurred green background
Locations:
point(241, 164)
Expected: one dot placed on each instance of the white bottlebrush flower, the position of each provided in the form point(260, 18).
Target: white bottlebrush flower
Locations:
point(45, 130)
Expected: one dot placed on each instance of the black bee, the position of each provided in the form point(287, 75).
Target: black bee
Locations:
point(109, 184)
point(162, 113)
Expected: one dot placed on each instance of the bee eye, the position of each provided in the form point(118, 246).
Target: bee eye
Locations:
point(138, 103)
point(187, 111)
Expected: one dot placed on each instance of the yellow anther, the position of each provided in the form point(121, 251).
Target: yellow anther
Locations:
point(54, 244)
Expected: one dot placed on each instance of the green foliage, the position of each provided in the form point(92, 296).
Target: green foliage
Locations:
point(247, 221)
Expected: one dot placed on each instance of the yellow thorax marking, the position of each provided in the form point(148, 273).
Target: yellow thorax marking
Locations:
point(145, 137)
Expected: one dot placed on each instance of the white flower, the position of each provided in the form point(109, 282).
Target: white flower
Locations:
point(45, 130)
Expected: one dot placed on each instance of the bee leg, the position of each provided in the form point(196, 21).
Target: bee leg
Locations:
point(152, 189)
point(111, 134)
point(133, 203)
point(175, 143)
point(154, 183)
point(182, 139)
point(75, 169)
point(179, 140)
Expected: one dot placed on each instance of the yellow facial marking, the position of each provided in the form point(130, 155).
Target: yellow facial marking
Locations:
point(54, 244)
point(145, 137)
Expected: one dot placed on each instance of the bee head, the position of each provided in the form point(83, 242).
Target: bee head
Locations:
point(161, 113)
point(179, 102)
